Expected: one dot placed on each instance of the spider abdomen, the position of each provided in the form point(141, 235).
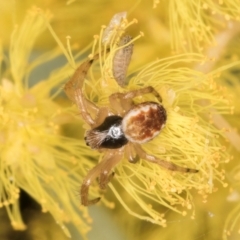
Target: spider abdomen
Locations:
point(144, 122)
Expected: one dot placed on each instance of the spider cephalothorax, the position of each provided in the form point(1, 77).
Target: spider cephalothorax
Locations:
point(119, 133)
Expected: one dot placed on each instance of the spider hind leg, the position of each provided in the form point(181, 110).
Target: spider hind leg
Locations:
point(168, 165)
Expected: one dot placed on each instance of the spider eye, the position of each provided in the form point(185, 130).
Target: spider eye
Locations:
point(108, 135)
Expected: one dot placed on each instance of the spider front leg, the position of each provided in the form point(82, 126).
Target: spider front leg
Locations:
point(136, 93)
point(73, 89)
point(162, 163)
point(102, 169)
point(142, 91)
point(122, 102)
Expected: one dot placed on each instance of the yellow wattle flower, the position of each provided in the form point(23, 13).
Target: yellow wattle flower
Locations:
point(190, 139)
point(34, 155)
point(194, 25)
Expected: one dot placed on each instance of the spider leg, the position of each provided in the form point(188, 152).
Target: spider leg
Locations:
point(73, 89)
point(105, 178)
point(76, 81)
point(106, 175)
point(138, 92)
point(122, 102)
point(102, 169)
point(130, 153)
point(119, 104)
point(81, 103)
point(162, 163)
point(101, 114)
point(91, 176)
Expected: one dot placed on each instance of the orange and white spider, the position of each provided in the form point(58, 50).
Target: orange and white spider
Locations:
point(118, 131)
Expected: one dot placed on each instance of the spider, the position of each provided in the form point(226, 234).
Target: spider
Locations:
point(119, 132)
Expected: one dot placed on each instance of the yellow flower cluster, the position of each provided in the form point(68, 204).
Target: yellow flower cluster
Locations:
point(37, 157)
point(192, 100)
point(34, 156)
point(194, 25)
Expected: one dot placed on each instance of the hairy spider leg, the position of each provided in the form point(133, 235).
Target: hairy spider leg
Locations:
point(101, 115)
point(122, 102)
point(131, 154)
point(119, 104)
point(103, 169)
point(139, 92)
point(77, 80)
point(105, 178)
point(162, 163)
point(73, 89)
